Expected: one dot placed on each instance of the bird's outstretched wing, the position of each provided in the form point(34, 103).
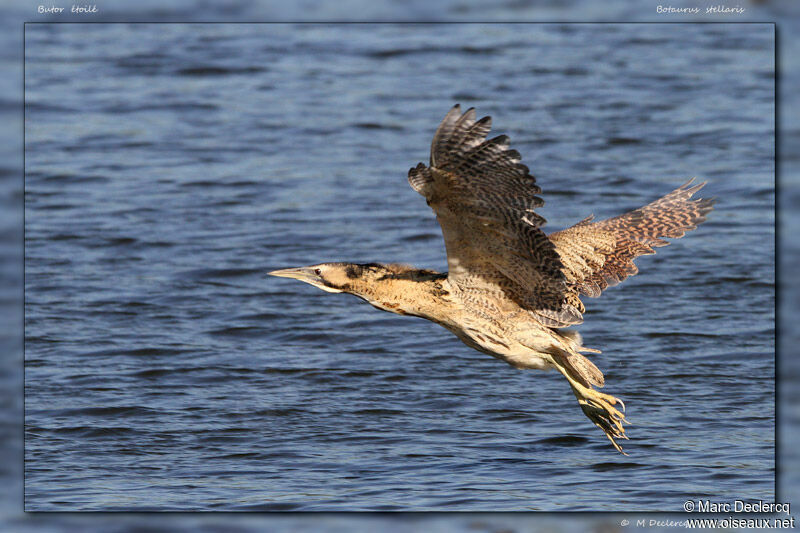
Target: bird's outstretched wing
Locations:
point(484, 200)
point(595, 255)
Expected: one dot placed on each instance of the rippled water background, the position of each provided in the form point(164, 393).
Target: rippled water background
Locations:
point(168, 167)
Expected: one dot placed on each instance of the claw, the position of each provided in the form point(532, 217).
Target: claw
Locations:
point(598, 407)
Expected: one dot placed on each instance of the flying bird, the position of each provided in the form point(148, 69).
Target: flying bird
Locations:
point(511, 289)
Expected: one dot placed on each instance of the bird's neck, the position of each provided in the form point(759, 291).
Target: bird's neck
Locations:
point(413, 294)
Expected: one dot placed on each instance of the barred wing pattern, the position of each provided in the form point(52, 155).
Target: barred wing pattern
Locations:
point(596, 255)
point(484, 200)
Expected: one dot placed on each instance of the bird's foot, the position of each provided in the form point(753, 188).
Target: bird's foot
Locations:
point(599, 408)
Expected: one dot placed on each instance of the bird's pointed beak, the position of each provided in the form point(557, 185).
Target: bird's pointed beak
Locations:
point(302, 273)
point(306, 275)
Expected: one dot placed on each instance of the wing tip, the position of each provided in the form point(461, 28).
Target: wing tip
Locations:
point(420, 179)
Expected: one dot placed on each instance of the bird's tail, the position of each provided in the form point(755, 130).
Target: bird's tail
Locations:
point(576, 341)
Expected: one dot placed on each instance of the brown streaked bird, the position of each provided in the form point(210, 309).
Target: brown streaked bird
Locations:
point(510, 288)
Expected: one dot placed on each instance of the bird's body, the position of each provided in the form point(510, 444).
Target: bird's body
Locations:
point(510, 289)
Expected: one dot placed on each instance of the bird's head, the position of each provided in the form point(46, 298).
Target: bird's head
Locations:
point(337, 277)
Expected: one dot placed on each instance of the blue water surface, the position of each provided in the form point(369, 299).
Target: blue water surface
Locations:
point(170, 166)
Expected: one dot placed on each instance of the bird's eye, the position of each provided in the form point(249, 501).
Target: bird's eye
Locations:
point(317, 271)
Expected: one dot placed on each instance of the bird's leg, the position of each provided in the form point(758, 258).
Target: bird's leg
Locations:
point(599, 408)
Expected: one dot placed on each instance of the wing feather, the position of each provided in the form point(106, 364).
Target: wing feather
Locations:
point(600, 254)
point(484, 199)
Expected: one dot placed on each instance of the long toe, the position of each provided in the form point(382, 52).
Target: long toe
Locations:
point(599, 410)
